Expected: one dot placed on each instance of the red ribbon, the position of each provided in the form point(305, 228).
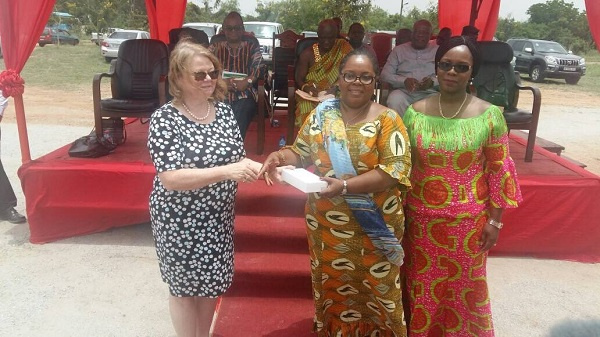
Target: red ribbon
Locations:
point(11, 83)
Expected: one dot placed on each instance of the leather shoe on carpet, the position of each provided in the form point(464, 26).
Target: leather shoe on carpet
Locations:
point(11, 215)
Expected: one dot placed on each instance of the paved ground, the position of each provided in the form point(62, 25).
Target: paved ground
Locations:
point(108, 284)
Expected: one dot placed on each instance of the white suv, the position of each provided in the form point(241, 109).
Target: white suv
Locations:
point(209, 28)
point(263, 31)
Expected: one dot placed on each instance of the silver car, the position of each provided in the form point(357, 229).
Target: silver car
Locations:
point(110, 46)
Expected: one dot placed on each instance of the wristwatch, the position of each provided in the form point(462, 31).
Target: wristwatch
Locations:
point(495, 223)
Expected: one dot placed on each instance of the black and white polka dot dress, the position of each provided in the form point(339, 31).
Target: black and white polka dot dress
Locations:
point(193, 230)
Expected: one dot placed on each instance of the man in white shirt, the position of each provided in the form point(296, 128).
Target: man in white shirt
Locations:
point(410, 69)
point(8, 200)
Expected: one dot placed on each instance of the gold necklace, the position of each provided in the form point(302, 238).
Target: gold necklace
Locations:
point(457, 111)
point(358, 114)
point(196, 117)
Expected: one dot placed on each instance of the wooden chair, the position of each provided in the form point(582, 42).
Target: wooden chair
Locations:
point(138, 82)
point(291, 80)
point(283, 56)
point(499, 84)
point(260, 86)
point(382, 44)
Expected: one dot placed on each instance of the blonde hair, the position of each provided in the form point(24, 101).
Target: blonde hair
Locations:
point(181, 56)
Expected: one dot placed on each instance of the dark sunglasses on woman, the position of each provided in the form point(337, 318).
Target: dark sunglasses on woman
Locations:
point(201, 75)
point(364, 78)
point(459, 68)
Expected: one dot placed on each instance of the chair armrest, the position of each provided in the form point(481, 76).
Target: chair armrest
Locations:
point(537, 102)
point(162, 90)
point(291, 118)
point(96, 93)
point(384, 92)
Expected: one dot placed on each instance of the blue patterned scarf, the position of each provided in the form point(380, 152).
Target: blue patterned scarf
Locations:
point(366, 212)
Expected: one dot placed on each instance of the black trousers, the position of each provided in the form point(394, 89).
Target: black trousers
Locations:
point(7, 194)
point(244, 110)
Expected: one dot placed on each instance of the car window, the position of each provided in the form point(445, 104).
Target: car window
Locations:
point(528, 45)
point(210, 31)
point(123, 35)
point(549, 47)
point(261, 31)
point(518, 45)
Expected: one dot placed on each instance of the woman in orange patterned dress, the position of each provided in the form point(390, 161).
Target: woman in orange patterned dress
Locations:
point(463, 178)
point(354, 263)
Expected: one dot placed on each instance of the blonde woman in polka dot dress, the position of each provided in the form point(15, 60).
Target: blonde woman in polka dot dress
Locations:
point(198, 153)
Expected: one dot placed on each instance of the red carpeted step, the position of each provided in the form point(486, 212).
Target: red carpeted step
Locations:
point(271, 293)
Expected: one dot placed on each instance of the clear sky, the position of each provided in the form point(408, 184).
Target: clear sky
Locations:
point(514, 8)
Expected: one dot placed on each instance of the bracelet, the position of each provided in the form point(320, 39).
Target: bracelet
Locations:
point(281, 157)
point(495, 223)
point(345, 189)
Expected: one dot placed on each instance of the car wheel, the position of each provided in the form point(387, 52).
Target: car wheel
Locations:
point(75, 42)
point(572, 80)
point(41, 44)
point(108, 59)
point(536, 74)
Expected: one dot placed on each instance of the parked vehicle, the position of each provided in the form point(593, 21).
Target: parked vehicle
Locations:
point(263, 31)
point(57, 36)
point(308, 33)
point(97, 38)
point(541, 59)
point(110, 46)
point(209, 28)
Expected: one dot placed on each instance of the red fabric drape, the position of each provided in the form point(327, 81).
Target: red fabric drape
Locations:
point(21, 24)
point(455, 14)
point(592, 8)
point(164, 15)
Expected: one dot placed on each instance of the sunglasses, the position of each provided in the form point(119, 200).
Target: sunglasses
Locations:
point(201, 75)
point(233, 28)
point(459, 68)
point(364, 79)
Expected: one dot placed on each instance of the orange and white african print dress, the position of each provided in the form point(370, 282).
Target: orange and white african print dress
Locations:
point(356, 290)
point(461, 167)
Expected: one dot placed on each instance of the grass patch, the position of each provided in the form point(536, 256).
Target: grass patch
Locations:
point(63, 67)
point(592, 56)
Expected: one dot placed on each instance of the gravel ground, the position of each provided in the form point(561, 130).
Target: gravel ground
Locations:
point(108, 284)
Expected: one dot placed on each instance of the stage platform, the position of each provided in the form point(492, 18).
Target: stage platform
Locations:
point(72, 196)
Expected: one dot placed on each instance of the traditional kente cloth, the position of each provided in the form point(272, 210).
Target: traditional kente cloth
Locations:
point(246, 59)
point(323, 74)
point(461, 168)
point(356, 289)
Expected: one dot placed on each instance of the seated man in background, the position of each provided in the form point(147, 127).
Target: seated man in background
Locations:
point(403, 35)
point(443, 36)
point(317, 67)
point(410, 69)
point(340, 26)
point(356, 35)
point(470, 32)
point(239, 55)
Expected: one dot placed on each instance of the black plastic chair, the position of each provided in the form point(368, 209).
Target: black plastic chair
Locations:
point(138, 82)
point(196, 35)
point(499, 84)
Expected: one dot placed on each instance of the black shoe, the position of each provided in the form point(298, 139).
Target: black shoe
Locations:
point(11, 215)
